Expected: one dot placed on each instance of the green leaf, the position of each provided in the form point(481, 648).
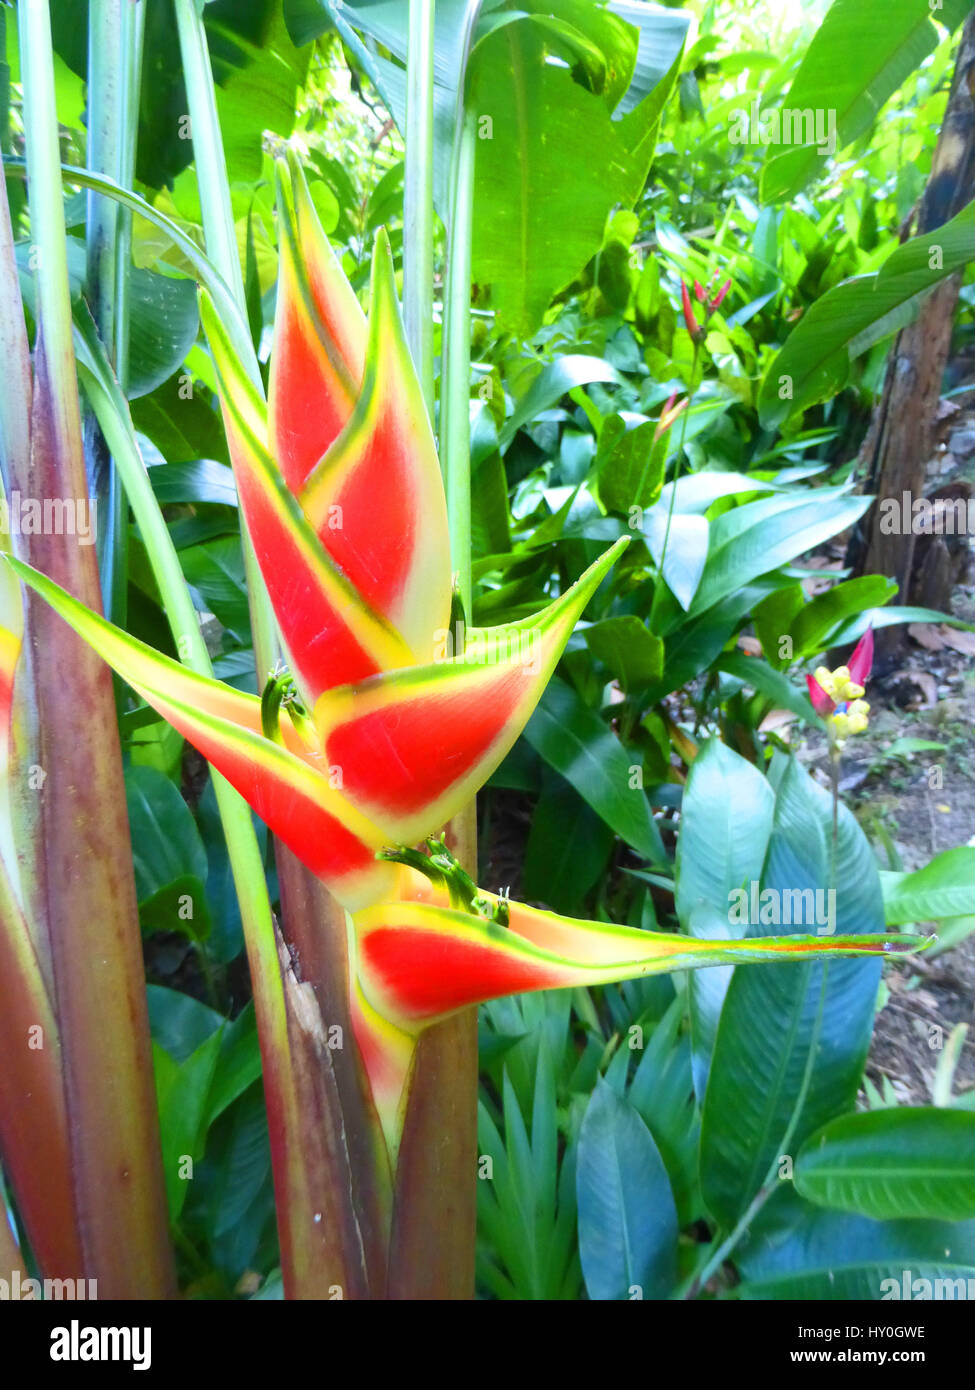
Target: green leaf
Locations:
point(778, 687)
point(182, 1090)
point(180, 422)
point(555, 380)
point(216, 572)
point(772, 620)
point(178, 1022)
point(239, 1063)
point(630, 468)
point(536, 228)
point(168, 855)
point(815, 361)
point(567, 850)
point(820, 616)
point(688, 539)
point(726, 821)
point(760, 536)
point(768, 1025)
point(163, 316)
point(198, 480)
point(628, 648)
point(859, 56)
point(575, 742)
point(627, 1218)
point(944, 888)
point(799, 1251)
point(900, 1162)
point(242, 1170)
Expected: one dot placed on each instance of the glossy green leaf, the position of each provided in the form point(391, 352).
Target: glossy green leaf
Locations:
point(813, 623)
point(778, 687)
point(760, 536)
point(182, 1089)
point(627, 1218)
point(535, 229)
point(899, 1162)
point(168, 855)
point(726, 821)
point(555, 380)
point(198, 480)
point(573, 740)
point(814, 363)
point(627, 647)
point(943, 888)
point(773, 1018)
point(796, 1250)
point(857, 59)
point(567, 850)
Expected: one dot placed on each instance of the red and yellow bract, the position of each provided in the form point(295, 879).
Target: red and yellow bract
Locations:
point(340, 487)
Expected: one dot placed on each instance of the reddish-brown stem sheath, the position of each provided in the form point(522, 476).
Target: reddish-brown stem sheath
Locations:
point(434, 1214)
point(89, 892)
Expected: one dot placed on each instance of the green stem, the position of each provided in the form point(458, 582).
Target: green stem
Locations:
point(221, 242)
point(659, 587)
point(432, 1240)
point(246, 863)
point(107, 282)
point(211, 166)
point(771, 1181)
point(206, 272)
point(418, 197)
point(330, 1193)
point(455, 400)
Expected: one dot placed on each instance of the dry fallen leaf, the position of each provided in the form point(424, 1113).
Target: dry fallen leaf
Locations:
point(927, 635)
point(959, 640)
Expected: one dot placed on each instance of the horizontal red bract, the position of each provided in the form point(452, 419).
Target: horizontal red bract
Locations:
point(317, 837)
point(408, 754)
point(425, 974)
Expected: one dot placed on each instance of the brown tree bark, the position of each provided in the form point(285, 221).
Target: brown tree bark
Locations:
point(901, 435)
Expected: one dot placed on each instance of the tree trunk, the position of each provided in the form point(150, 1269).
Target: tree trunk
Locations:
point(901, 435)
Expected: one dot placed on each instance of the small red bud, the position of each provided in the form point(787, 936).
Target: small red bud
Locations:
point(693, 327)
point(716, 301)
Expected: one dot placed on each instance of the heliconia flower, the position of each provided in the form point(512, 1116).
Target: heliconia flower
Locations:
point(669, 414)
point(718, 299)
point(422, 957)
point(378, 735)
point(835, 695)
point(693, 327)
point(703, 296)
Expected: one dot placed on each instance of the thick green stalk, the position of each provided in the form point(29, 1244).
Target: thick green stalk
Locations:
point(88, 882)
point(113, 26)
point(455, 390)
point(418, 196)
point(221, 243)
point(334, 1218)
point(133, 29)
point(434, 1220)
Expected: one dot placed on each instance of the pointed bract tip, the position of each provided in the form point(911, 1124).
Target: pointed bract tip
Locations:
point(822, 703)
point(861, 661)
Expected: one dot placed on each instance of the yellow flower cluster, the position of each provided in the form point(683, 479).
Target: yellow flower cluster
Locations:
point(839, 687)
